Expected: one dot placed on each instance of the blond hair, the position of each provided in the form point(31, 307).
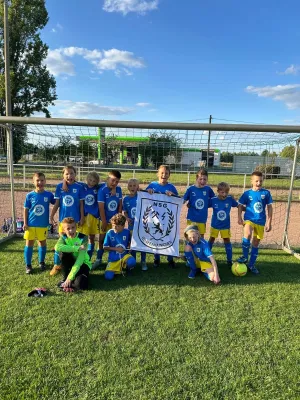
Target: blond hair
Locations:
point(93, 175)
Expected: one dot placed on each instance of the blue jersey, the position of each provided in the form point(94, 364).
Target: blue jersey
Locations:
point(198, 199)
point(221, 212)
point(158, 188)
point(38, 205)
point(201, 250)
point(111, 202)
point(91, 199)
point(69, 202)
point(113, 239)
point(255, 203)
point(129, 206)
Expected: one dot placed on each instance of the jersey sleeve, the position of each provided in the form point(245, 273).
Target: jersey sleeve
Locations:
point(174, 190)
point(57, 191)
point(206, 249)
point(186, 195)
point(234, 203)
point(106, 242)
point(269, 198)
point(101, 196)
point(52, 199)
point(211, 193)
point(150, 186)
point(27, 203)
point(243, 199)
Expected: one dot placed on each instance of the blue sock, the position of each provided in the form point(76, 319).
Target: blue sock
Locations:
point(143, 256)
point(133, 253)
point(190, 260)
point(56, 258)
point(253, 256)
point(170, 258)
point(100, 253)
point(28, 254)
point(42, 253)
point(90, 251)
point(156, 257)
point(246, 247)
point(228, 249)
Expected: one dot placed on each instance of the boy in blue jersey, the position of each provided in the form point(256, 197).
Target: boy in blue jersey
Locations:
point(91, 225)
point(75, 261)
point(129, 208)
point(109, 203)
point(198, 196)
point(255, 220)
point(164, 187)
point(70, 204)
point(220, 220)
point(36, 220)
point(199, 256)
point(117, 242)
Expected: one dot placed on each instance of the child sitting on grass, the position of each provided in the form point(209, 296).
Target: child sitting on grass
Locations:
point(117, 242)
point(199, 256)
point(75, 260)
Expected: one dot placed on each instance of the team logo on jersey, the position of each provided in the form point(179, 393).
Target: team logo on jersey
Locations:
point(221, 215)
point(46, 199)
point(197, 250)
point(199, 204)
point(226, 205)
point(117, 194)
point(258, 207)
point(112, 205)
point(74, 190)
point(95, 191)
point(157, 223)
point(133, 212)
point(89, 200)
point(250, 198)
point(263, 196)
point(204, 193)
point(124, 238)
point(39, 210)
point(68, 201)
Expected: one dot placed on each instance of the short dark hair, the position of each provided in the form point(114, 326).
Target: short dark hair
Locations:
point(115, 173)
point(202, 171)
point(257, 173)
point(39, 175)
point(118, 219)
point(69, 166)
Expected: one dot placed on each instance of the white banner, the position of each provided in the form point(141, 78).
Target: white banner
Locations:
point(156, 224)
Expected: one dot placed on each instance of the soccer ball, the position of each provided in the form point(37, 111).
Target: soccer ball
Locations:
point(239, 269)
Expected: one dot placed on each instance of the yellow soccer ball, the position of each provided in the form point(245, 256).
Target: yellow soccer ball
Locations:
point(239, 269)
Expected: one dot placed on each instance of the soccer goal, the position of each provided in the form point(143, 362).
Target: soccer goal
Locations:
point(229, 152)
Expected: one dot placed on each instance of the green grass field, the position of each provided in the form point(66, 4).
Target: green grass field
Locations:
point(151, 335)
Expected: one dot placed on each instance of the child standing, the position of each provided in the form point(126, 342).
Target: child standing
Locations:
point(199, 256)
point(198, 196)
point(117, 242)
point(70, 204)
point(164, 187)
point(75, 261)
point(129, 208)
point(91, 225)
point(109, 203)
point(36, 220)
point(220, 220)
point(255, 219)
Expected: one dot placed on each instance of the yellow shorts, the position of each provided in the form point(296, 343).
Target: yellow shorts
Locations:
point(225, 233)
point(200, 225)
point(91, 226)
point(118, 266)
point(258, 230)
point(60, 228)
point(203, 265)
point(33, 233)
point(103, 232)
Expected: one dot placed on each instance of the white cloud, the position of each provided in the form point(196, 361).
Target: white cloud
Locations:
point(142, 104)
point(127, 6)
point(292, 70)
point(57, 28)
point(289, 94)
point(76, 109)
point(119, 61)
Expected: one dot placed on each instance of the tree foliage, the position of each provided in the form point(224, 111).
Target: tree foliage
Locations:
point(33, 88)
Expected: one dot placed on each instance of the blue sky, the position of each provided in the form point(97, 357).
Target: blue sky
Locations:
point(173, 60)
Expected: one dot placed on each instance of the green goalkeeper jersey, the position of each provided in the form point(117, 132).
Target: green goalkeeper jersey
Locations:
point(66, 244)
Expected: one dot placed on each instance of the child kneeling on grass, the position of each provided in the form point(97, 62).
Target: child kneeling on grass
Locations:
point(199, 255)
point(117, 241)
point(75, 260)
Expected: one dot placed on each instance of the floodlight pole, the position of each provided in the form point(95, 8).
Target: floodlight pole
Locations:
point(208, 143)
point(9, 136)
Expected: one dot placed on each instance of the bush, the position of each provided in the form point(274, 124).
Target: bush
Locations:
point(270, 171)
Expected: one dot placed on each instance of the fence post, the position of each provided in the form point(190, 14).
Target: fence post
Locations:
point(285, 242)
point(78, 174)
point(245, 178)
point(189, 177)
point(133, 173)
point(24, 176)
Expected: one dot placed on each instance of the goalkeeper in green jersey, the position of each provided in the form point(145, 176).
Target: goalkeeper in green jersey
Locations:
point(75, 260)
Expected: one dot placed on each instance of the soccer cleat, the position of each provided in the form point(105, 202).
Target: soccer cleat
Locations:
point(172, 264)
point(156, 263)
point(55, 270)
point(29, 269)
point(242, 260)
point(42, 266)
point(229, 263)
point(97, 264)
point(144, 266)
point(192, 274)
point(253, 269)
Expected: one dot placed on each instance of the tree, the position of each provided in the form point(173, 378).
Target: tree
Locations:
point(33, 88)
point(288, 152)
